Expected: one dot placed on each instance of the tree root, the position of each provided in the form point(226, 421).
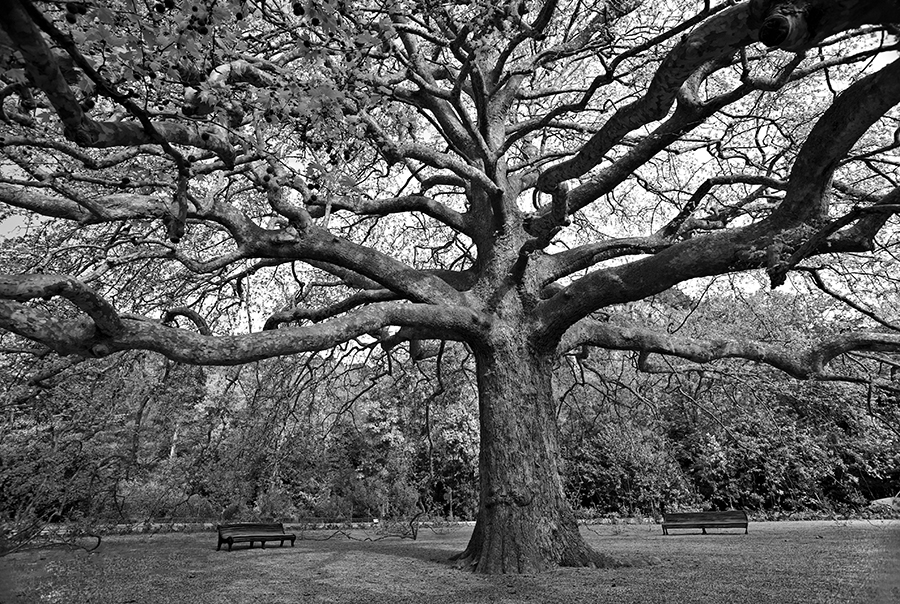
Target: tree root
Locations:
point(467, 560)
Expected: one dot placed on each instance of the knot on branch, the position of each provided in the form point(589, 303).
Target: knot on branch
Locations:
point(101, 350)
point(509, 498)
point(776, 268)
point(175, 220)
point(788, 25)
point(545, 226)
point(80, 133)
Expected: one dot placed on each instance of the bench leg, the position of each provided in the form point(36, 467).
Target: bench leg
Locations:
point(704, 530)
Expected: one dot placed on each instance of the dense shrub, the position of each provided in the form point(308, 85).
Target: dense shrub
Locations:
point(625, 468)
point(229, 445)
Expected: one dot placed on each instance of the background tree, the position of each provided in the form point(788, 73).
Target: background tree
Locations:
point(510, 176)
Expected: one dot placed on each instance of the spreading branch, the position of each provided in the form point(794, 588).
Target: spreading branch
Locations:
point(801, 363)
point(106, 332)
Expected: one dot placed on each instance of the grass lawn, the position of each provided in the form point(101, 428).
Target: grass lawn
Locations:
point(785, 562)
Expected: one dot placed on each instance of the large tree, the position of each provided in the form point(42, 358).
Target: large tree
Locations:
point(510, 175)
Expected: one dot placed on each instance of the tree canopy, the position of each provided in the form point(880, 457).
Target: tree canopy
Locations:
point(225, 181)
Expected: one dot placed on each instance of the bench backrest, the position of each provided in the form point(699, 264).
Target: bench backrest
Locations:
point(723, 516)
point(243, 527)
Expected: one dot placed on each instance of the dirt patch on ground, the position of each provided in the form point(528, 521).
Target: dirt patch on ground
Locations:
point(787, 562)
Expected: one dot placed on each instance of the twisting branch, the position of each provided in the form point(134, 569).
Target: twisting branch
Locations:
point(90, 162)
point(382, 207)
point(22, 23)
point(320, 314)
point(848, 118)
point(835, 133)
point(110, 333)
point(806, 363)
point(28, 287)
point(720, 36)
point(690, 114)
point(395, 153)
point(565, 263)
point(819, 241)
point(674, 225)
point(717, 38)
point(524, 128)
point(192, 315)
point(297, 215)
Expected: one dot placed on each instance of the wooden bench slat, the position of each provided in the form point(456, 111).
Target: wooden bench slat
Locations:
point(244, 532)
point(705, 520)
point(272, 526)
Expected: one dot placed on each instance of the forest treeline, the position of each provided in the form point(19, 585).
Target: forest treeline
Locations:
point(365, 432)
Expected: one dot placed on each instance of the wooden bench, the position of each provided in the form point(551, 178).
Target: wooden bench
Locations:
point(705, 520)
point(243, 532)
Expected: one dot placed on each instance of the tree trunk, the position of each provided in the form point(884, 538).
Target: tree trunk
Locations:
point(524, 524)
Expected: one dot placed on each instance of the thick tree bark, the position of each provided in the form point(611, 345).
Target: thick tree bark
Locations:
point(524, 524)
